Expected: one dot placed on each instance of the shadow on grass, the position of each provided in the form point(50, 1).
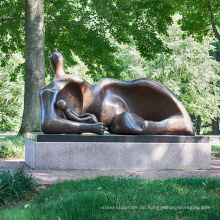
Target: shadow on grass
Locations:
point(123, 198)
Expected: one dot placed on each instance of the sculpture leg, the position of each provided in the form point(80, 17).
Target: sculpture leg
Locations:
point(63, 126)
point(130, 123)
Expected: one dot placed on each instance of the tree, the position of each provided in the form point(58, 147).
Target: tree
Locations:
point(190, 72)
point(200, 16)
point(11, 95)
point(81, 26)
point(198, 19)
point(216, 54)
point(34, 64)
point(86, 27)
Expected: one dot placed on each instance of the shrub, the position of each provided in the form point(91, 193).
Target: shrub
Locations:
point(14, 185)
point(12, 146)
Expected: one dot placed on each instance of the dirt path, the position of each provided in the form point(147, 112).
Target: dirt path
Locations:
point(49, 176)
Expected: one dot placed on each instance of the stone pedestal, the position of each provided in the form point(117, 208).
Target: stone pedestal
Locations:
point(117, 152)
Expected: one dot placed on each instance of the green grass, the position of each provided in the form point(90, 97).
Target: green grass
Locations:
point(14, 185)
point(215, 148)
point(12, 146)
point(123, 198)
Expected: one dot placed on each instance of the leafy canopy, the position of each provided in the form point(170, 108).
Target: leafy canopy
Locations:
point(189, 70)
point(86, 27)
point(112, 39)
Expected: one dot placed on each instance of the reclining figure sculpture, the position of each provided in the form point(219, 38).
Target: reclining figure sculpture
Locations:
point(142, 106)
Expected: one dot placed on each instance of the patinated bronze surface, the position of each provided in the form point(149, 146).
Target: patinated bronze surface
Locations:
point(143, 106)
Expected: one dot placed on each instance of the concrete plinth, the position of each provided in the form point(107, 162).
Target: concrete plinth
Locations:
point(117, 152)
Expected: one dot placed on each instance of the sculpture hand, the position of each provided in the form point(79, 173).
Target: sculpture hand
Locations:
point(99, 128)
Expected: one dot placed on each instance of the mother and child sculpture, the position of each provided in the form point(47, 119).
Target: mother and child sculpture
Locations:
point(142, 107)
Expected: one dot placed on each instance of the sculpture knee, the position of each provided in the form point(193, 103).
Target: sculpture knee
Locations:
point(49, 126)
point(126, 123)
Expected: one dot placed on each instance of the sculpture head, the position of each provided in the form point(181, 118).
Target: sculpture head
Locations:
point(61, 104)
point(56, 62)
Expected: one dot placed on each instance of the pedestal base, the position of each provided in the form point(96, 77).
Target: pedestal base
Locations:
point(119, 152)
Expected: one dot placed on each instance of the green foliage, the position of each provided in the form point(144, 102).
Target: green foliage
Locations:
point(93, 34)
point(11, 93)
point(12, 146)
point(14, 185)
point(188, 70)
point(12, 31)
point(85, 28)
point(216, 148)
point(123, 198)
point(206, 130)
point(132, 60)
point(216, 52)
point(80, 70)
point(197, 19)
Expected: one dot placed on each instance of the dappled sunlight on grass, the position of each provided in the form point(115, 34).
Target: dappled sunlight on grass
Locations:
point(117, 197)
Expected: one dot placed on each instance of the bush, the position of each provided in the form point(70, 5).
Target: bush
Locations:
point(14, 185)
point(12, 146)
point(11, 93)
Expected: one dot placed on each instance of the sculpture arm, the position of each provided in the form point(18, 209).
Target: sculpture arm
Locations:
point(73, 116)
point(52, 123)
point(86, 117)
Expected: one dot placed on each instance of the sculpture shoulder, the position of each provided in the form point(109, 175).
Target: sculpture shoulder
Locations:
point(70, 78)
point(60, 82)
point(56, 85)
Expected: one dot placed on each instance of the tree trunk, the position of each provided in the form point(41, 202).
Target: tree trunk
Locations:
point(198, 124)
point(215, 126)
point(34, 65)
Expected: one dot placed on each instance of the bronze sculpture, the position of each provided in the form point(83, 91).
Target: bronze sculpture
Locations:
point(143, 106)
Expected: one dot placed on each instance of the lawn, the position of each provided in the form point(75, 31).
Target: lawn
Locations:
point(105, 197)
point(215, 148)
point(123, 198)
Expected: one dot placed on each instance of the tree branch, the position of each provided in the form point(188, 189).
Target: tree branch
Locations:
point(217, 34)
point(11, 19)
point(62, 23)
point(23, 18)
point(56, 22)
